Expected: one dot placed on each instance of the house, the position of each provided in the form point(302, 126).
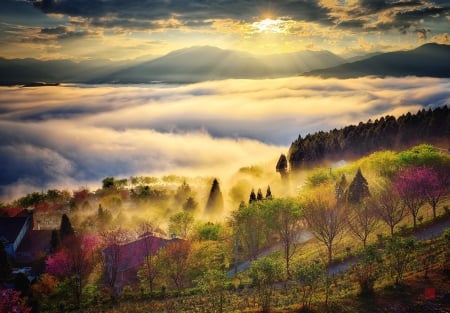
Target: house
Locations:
point(12, 232)
point(35, 245)
point(125, 260)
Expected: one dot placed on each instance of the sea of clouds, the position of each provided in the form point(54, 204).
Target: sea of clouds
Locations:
point(68, 136)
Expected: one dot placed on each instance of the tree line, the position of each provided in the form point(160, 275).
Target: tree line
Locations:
point(387, 132)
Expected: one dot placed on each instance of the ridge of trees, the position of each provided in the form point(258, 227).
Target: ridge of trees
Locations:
point(386, 132)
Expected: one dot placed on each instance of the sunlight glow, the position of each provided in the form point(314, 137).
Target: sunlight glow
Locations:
point(269, 25)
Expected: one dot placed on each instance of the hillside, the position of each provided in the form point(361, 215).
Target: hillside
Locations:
point(427, 60)
point(356, 140)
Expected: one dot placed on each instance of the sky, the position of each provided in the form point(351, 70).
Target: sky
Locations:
point(75, 135)
point(124, 30)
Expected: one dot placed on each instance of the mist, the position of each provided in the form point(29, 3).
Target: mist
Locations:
point(75, 135)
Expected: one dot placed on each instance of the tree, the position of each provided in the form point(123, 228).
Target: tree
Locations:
point(74, 262)
point(213, 283)
point(259, 195)
point(65, 230)
point(151, 268)
point(269, 193)
point(113, 239)
point(5, 266)
point(362, 221)
point(10, 302)
point(326, 219)
point(400, 254)
point(282, 167)
point(249, 227)
point(436, 186)
point(411, 184)
point(368, 270)
point(308, 277)
point(284, 216)
point(176, 254)
point(215, 199)
point(265, 273)
point(358, 189)
point(190, 205)
point(252, 197)
point(388, 206)
point(108, 183)
point(180, 224)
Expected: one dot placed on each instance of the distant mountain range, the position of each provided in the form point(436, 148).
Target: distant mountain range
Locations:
point(210, 63)
point(427, 60)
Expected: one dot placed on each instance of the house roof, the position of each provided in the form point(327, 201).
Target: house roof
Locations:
point(132, 254)
point(34, 243)
point(10, 228)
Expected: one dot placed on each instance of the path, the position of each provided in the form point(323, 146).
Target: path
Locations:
point(423, 234)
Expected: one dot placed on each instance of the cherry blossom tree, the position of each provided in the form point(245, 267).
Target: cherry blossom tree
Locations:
point(413, 185)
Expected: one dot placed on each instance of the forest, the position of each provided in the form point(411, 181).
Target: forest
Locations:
point(388, 132)
point(356, 238)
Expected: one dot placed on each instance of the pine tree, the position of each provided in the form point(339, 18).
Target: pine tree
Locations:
point(66, 230)
point(259, 195)
point(252, 197)
point(268, 193)
point(215, 199)
point(358, 189)
point(5, 266)
point(282, 166)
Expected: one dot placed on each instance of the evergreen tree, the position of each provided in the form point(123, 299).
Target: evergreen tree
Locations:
point(252, 197)
point(358, 189)
point(268, 193)
point(282, 166)
point(5, 266)
point(259, 196)
point(190, 204)
point(66, 230)
point(55, 241)
point(215, 199)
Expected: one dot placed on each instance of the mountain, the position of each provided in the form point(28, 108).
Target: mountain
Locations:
point(427, 60)
point(210, 63)
point(32, 71)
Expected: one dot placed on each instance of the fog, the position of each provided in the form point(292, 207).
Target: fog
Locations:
point(69, 136)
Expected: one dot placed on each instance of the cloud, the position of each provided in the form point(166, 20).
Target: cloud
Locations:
point(77, 135)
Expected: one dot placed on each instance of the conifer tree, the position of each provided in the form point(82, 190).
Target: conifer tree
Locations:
point(252, 197)
point(66, 230)
point(358, 189)
point(268, 193)
point(215, 199)
point(259, 196)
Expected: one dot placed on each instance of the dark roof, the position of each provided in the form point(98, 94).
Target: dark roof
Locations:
point(132, 254)
point(10, 228)
point(34, 243)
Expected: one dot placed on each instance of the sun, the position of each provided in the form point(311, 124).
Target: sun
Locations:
point(269, 25)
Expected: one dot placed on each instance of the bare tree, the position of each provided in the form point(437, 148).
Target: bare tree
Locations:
point(388, 205)
point(149, 244)
point(326, 219)
point(362, 221)
point(113, 239)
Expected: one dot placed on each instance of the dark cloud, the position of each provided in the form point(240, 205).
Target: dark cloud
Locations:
point(141, 13)
point(54, 30)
